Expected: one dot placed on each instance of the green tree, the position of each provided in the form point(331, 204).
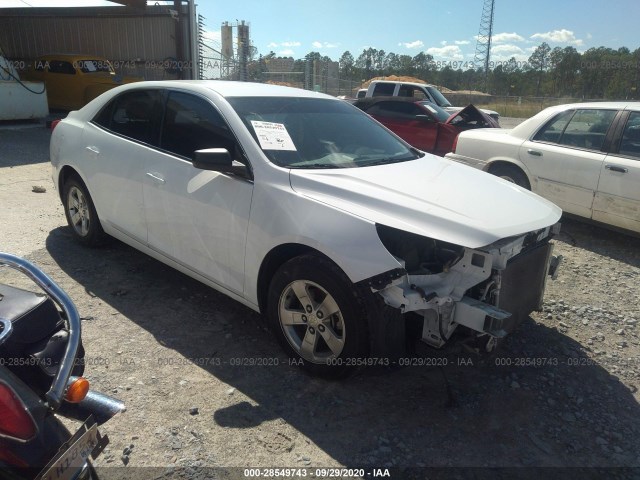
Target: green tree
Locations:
point(539, 61)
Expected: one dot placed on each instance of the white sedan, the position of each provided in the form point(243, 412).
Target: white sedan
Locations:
point(304, 208)
point(584, 157)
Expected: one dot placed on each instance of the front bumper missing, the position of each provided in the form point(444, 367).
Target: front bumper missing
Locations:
point(509, 283)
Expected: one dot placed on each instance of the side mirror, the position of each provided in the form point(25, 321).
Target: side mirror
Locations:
point(218, 160)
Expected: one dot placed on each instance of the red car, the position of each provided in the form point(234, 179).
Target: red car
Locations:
point(422, 124)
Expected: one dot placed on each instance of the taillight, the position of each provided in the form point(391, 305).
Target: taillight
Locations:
point(455, 144)
point(15, 421)
point(54, 124)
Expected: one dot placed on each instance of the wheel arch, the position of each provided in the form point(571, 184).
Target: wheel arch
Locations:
point(493, 164)
point(67, 172)
point(277, 257)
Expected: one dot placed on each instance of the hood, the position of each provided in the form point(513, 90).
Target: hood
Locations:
point(472, 117)
point(431, 196)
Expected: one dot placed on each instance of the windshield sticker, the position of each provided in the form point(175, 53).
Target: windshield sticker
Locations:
point(273, 136)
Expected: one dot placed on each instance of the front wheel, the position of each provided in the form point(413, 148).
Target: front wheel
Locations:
point(81, 213)
point(318, 316)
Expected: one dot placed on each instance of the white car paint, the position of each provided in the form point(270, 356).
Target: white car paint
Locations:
point(580, 180)
point(220, 228)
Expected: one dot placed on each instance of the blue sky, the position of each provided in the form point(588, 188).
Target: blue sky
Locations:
point(444, 29)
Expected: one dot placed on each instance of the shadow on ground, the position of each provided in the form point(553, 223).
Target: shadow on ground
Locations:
point(460, 410)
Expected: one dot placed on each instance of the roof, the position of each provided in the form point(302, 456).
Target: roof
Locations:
point(233, 89)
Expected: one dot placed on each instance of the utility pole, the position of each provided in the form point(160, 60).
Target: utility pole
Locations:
point(483, 45)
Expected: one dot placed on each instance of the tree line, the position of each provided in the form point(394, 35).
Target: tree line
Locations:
point(597, 73)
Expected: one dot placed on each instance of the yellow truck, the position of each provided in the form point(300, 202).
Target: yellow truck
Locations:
point(72, 81)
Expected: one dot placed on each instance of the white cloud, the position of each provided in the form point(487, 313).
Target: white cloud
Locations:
point(506, 49)
point(503, 53)
point(443, 43)
point(558, 36)
point(286, 53)
point(452, 52)
point(319, 45)
point(284, 44)
point(410, 45)
point(506, 37)
point(462, 42)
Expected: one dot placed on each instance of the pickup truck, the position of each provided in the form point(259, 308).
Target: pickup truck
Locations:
point(418, 91)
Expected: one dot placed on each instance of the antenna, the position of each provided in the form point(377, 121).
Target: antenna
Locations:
point(483, 45)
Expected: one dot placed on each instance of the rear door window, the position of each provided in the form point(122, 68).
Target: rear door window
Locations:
point(630, 142)
point(384, 89)
point(133, 114)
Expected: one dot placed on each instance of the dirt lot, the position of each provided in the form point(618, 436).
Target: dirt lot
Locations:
point(561, 392)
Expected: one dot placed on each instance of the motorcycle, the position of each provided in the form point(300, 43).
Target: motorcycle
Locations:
point(41, 368)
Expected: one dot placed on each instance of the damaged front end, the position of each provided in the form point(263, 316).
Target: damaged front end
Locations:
point(489, 290)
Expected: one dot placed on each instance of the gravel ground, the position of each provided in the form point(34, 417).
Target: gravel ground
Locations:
point(561, 392)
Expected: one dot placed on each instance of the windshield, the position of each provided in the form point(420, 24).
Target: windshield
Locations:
point(438, 97)
point(438, 112)
point(310, 133)
point(92, 66)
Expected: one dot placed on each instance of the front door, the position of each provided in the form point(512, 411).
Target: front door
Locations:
point(565, 158)
point(198, 218)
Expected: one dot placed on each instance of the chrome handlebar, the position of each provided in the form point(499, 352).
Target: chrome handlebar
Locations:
point(7, 329)
point(55, 394)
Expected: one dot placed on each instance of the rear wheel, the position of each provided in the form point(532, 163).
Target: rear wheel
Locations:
point(318, 317)
point(81, 213)
point(512, 174)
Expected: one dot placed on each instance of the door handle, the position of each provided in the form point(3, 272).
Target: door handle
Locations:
point(615, 168)
point(535, 153)
point(156, 178)
point(93, 149)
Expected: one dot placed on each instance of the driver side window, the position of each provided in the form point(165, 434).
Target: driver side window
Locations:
point(191, 123)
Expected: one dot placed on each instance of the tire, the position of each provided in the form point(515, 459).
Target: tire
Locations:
point(300, 293)
point(511, 174)
point(81, 213)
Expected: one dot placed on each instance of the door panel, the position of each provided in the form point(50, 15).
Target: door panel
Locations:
point(198, 218)
point(114, 170)
point(565, 159)
point(617, 200)
point(566, 176)
point(117, 142)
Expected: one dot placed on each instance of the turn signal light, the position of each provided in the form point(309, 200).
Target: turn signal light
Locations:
point(15, 421)
point(77, 390)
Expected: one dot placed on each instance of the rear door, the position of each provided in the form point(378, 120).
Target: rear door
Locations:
point(408, 121)
point(565, 158)
point(116, 144)
point(617, 201)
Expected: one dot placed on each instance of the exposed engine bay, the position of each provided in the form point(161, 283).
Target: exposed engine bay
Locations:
point(489, 290)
